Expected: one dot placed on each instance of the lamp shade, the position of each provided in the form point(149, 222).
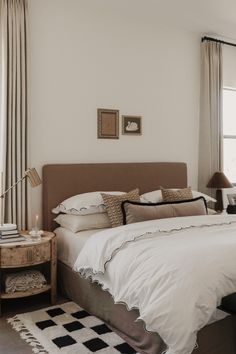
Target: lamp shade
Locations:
point(33, 176)
point(219, 180)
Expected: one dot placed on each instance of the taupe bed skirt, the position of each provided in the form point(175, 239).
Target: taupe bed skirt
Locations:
point(216, 338)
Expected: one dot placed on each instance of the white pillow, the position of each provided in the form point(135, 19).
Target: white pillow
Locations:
point(77, 223)
point(207, 197)
point(83, 204)
point(211, 211)
point(156, 196)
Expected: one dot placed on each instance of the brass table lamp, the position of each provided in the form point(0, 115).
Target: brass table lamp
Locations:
point(34, 180)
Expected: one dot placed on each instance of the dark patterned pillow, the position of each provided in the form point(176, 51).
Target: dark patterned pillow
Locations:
point(170, 195)
point(113, 205)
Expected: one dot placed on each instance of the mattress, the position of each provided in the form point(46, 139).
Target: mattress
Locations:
point(70, 244)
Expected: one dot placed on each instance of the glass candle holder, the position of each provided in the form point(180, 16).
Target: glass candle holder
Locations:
point(35, 234)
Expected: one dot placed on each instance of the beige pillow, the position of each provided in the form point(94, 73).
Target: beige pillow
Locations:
point(137, 212)
point(77, 223)
point(113, 205)
point(170, 195)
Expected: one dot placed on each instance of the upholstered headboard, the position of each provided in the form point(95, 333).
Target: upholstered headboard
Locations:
point(62, 181)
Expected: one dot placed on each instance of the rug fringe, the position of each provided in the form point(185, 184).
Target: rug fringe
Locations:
point(25, 334)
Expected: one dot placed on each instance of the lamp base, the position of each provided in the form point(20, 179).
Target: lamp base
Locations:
point(219, 204)
point(8, 227)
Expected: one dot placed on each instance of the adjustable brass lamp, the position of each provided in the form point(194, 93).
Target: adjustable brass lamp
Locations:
point(34, 180)
point(219, 181)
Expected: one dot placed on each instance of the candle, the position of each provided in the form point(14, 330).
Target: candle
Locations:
point(36, 222)
point(35, 233)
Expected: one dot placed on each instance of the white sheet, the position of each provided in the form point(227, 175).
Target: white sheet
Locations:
point(70, 244)
point(175, 271)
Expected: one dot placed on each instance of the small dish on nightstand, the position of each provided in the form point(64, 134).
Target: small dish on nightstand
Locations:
point(35, 234)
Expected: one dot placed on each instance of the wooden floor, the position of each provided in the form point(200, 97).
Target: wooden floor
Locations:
point(10, 340)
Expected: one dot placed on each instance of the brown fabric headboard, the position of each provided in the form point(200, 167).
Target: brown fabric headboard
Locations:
point(65, 180)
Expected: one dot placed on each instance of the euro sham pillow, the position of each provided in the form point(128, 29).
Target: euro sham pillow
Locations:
point(138, 212)
point(156, 196)
point(113, 205)
point(76, 223)
point(211, 211)
point(83, 204)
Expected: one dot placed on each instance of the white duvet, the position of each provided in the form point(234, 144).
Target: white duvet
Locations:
point(175, 271)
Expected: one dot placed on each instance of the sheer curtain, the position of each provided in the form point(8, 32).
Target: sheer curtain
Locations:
point(14, 107)
point(210, 130)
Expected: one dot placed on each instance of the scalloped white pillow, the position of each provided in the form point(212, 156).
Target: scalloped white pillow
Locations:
point(83, 204)
point(156, 196)
point(77, 223)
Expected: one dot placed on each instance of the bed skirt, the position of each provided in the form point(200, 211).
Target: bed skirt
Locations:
point(216, 338)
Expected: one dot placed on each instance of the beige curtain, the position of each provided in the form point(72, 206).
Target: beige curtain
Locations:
point(14, 86)
point(210, 130)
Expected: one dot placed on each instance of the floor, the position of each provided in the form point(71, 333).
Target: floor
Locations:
point(10, 340)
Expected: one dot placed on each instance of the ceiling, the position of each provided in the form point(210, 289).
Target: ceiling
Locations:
point(216, 17)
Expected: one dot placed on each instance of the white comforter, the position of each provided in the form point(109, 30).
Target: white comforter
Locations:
point(175, 271)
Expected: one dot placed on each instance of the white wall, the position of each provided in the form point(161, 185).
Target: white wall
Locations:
point(85, 55)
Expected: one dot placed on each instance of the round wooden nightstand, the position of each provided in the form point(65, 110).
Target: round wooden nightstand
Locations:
point(41, 255)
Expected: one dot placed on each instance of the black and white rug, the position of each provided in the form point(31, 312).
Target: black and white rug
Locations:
point(68, 329)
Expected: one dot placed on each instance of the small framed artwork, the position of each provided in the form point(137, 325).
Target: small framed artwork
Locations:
point(231, 199)
point(108, 123)
point(131, 125)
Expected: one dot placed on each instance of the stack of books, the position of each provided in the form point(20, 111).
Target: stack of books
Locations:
point(12, 235)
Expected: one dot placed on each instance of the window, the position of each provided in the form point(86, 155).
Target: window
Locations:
point(229, 133)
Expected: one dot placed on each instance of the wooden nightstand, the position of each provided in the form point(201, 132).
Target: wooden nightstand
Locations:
point(41, 255)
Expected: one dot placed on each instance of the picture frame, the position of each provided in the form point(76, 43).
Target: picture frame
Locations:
point(107, 123)
point(131, 125)
point(231, 199)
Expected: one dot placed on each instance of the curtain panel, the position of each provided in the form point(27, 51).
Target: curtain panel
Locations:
point(14, 98)
point(211, 127)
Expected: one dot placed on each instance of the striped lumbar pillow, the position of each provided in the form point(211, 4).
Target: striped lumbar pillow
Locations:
point(170, 195)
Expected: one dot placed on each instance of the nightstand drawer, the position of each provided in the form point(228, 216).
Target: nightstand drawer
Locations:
point(23, 256)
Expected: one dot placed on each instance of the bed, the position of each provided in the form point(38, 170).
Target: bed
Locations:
point(63, 181)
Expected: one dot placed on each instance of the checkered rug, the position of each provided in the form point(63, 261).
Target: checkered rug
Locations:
point(68, 329)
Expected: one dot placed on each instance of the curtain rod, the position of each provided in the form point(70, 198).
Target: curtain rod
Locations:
point(218, 40)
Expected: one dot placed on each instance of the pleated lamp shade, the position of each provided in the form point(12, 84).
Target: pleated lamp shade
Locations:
point(219, 180)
